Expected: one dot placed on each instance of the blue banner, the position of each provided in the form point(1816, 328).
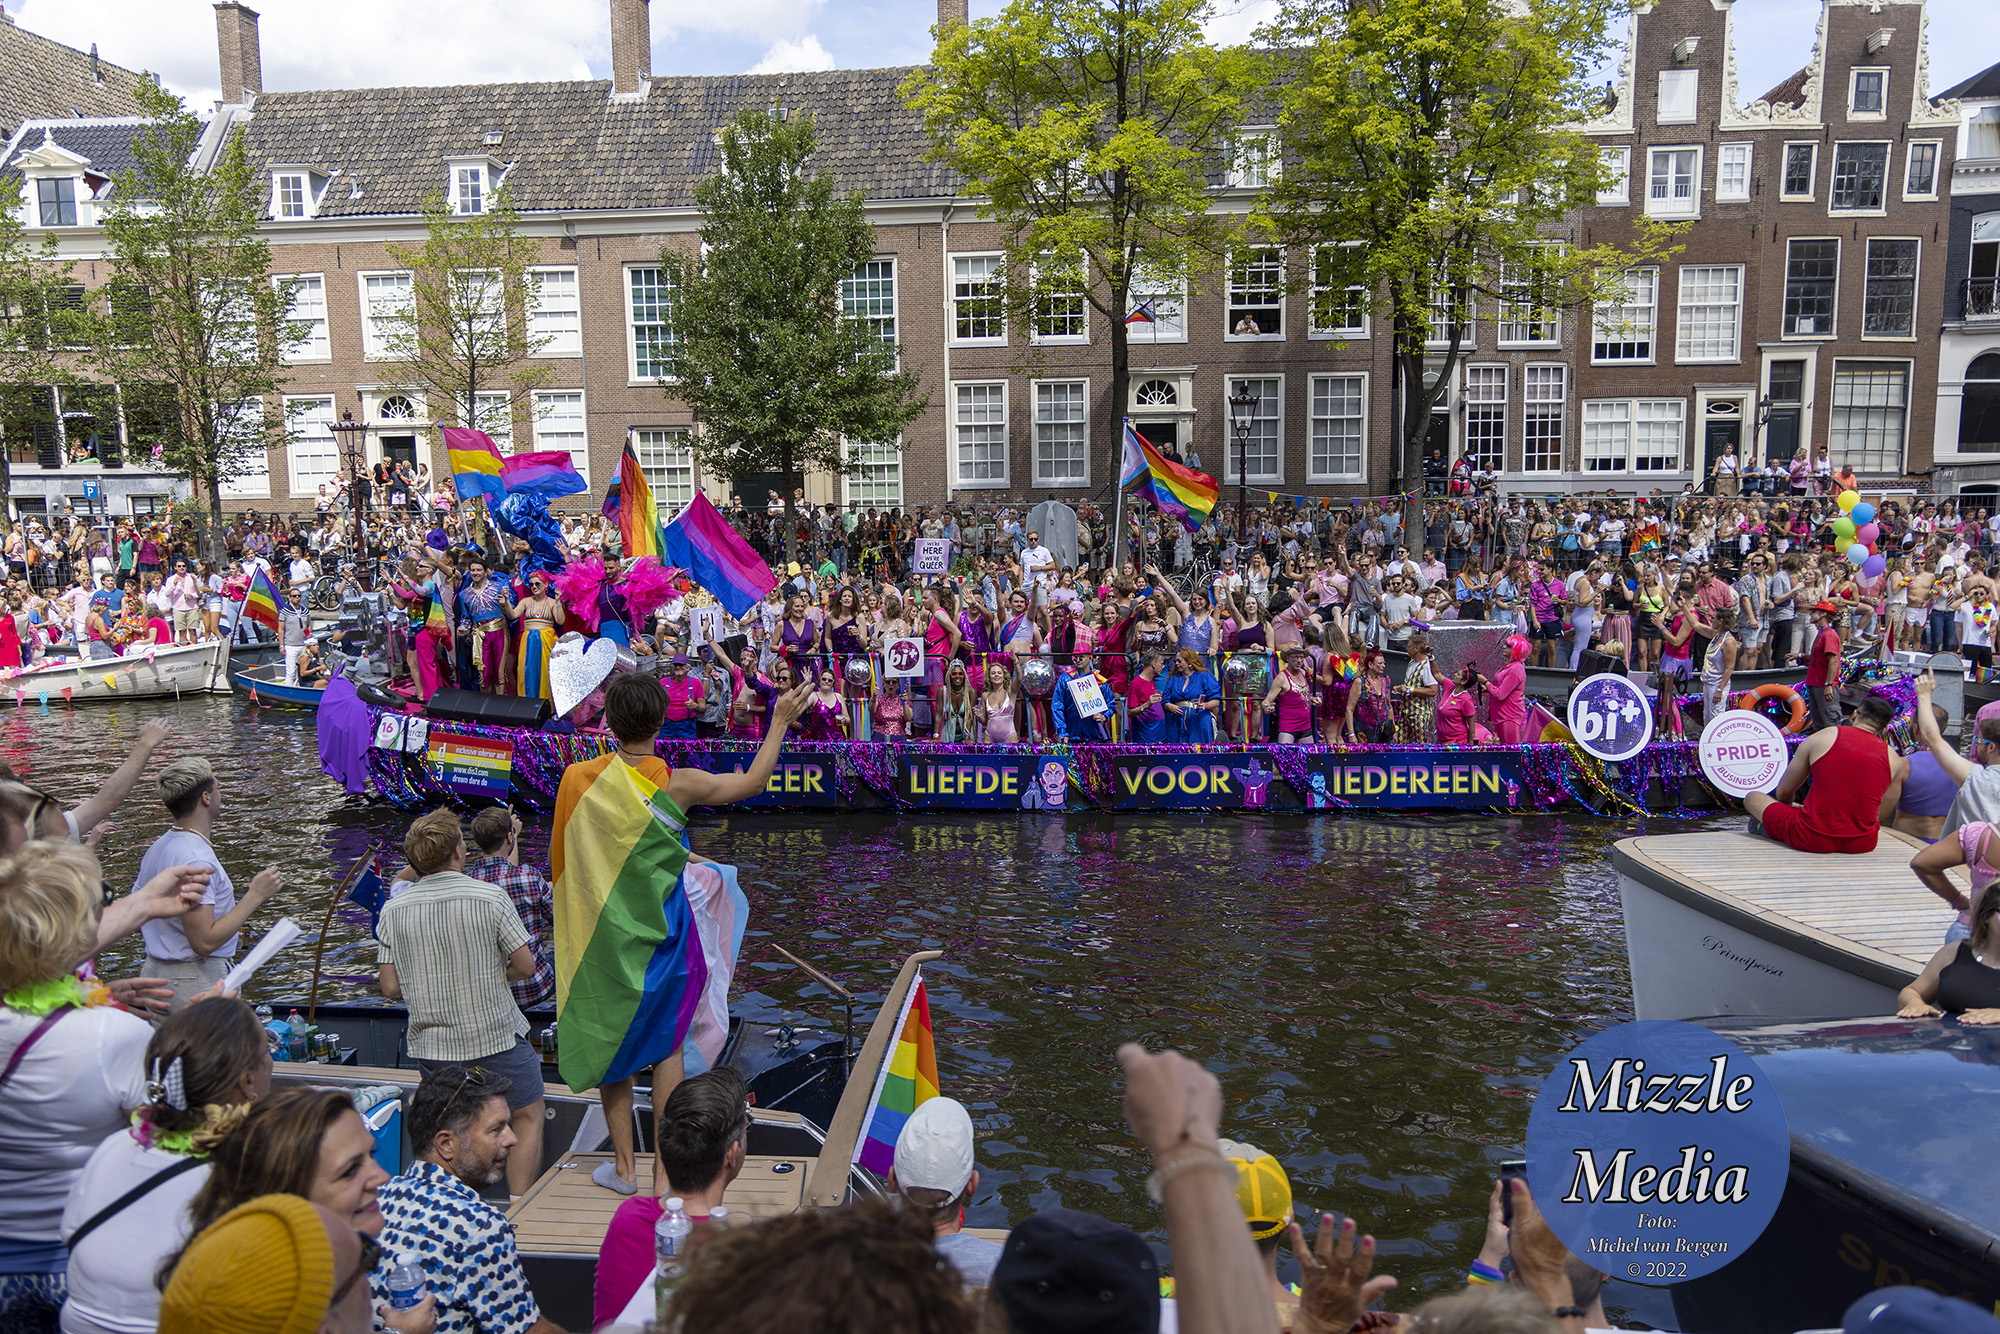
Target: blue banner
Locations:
point(1413, 778)
point(995, 782)
point(798, 780)
point(1225, 780)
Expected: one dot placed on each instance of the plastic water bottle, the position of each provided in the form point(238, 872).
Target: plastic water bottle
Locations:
point(406, 1282)
point(670, 1248)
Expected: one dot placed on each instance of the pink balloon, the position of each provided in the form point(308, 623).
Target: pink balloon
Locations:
point(1867, 533)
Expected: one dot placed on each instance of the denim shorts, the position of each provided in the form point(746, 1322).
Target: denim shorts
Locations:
point(520, 1064)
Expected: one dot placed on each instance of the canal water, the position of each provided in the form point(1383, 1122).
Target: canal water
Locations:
point(1379, 997)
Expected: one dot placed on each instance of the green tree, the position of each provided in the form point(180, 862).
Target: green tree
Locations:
point(40, 317)
point(752, 336)
point(192, 325)
point(1431, 158)
point(461, 340)
point(1089, 130)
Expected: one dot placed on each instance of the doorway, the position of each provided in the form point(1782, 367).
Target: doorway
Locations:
point(1721, 437)
point(400, 449)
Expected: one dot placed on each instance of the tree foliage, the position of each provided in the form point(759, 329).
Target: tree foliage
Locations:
point(191, 323)
point(1090, 128)
point(36, 322)
point(755, 341)
point(1438, 140)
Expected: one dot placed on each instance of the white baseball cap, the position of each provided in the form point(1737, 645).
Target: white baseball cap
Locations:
point(934, 1152)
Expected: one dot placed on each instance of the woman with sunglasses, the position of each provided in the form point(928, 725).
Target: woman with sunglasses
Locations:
point(541, 618)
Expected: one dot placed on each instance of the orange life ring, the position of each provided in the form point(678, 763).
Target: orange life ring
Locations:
point(1779, 690)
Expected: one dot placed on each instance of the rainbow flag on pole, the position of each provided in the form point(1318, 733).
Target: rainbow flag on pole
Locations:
point(1182, 492)
point(908, 1079)
point(628, 502)
point(700, 541)
point(645, 944)
point(475, 462)
point(262, 602)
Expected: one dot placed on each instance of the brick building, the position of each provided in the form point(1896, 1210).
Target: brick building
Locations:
point(1968, 388)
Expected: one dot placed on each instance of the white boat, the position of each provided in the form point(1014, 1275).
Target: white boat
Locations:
point(1730, 923)
point(152, 671)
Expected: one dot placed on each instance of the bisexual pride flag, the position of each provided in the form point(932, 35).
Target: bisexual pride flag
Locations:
point(646, 944)
point(550, 474)
point(475, 462)
point(715, 556)
point(1182, 492)
point(908, 1079)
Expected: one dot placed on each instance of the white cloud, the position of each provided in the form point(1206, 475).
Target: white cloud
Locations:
point(797, 57)
point(1236, 21)
point(769, 21)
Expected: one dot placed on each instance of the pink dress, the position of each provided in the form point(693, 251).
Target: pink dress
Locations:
point(1507, 703)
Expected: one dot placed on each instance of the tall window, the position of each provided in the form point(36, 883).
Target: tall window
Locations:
point(1262, 453)
point(1339, 303)
point(1922, 176)
point(385, 308)
point(1257, 294)
point(246, 426)
point(1673, 187)
point(1062, 433)
point(1860, 171)
point(1545, 389)
point(979, 420)
point(1800, 160)
point(56, 199)
point(310, 453)
point(1679, 89)
point(1607, 435)
point(1656, 435)
point(1486, 416)
point(1711, 312)
point(877, 478)
point(1812, 272)
point(1527, 316)
point(650, 312)
point(1256, 162)
point(289, 195)
point(1732, 171)
point(1060, 314)
point(1979, 409)
point(1889, 305)
point(667, 459)
point(978, 300)
point(869, 294)
point(555, 311)
point(1337, 428)
point(494, 414)
point(1870, 415)
point(1164, 301)
point(1623, 330)
point(469, 189)
point(1453, 310)
point(308, 308)
point(560, 424)
point(1617, 163)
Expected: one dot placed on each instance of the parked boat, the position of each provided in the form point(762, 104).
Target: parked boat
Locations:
point(149, 671)
point(1887, 1185)
point(267, 683)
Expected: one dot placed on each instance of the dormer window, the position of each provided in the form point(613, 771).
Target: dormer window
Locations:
point(56, 201)
point(468, 187)
point(289, 195)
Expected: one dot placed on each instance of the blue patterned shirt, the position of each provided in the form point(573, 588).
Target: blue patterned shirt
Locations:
point(467, 1248)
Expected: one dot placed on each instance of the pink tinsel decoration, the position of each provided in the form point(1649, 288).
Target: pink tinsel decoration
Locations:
point(648, 586)
point(577, 584)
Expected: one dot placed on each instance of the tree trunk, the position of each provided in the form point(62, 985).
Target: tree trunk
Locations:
point(791, 534)
point(218, 550)
point(1121, 378)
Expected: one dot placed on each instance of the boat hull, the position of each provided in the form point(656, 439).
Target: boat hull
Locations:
point(267, 682)
point(163, 671)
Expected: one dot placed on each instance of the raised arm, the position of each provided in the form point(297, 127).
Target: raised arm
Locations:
point(1166, 590)
point(1956, 766)
point(96, 808)
point(698, 787)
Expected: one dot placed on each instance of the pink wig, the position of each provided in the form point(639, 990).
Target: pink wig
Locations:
point(1518, 648)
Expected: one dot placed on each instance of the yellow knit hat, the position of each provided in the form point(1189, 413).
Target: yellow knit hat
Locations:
point(1263, 1191)
point(265, 1267)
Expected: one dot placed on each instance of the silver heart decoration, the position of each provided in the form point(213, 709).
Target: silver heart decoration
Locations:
point(578, 666)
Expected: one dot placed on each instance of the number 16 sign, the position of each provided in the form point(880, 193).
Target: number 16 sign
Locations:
point(1610, 717)
point(903, 658)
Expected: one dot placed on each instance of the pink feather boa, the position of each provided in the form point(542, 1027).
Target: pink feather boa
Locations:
point(648, 585)
point(577, 584)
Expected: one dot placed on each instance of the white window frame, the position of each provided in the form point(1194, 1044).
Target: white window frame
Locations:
point(664, 453)
point(1596, 451)
point(1231, 452)
point(1314, 474)
point(1469, 339)
point(373, 346)
point(960, 481)
point(1519, 317)
point(1811, 146)
point(1081, 296)
point(1601, 333)
point(566, 337)
point(1916, 289)
point(1529, 375)
point(1164, 293)
point(80, 200)
point(1344, 332)
point(1484, 404)
point(1231, 305)
point(1723, 153)
point(1692, 77)
point(303, 180)
point(314, 347)
point(1854, 86)
point(1679, 416)
point(1040, 479)
point(1840, 451)
point(633, 324)
point(501, 429)
point(455, 172)
point(254, 482)
point(1619, 159)
point(1681, 356)
point(538, 415)
point(850, 299)
point(989, 286)
point(1653, 206)
point(1785, 293)
point(871, 492)
point(297, 408)
point(1888, 148)
point(1255, 162)
point(1937, 158)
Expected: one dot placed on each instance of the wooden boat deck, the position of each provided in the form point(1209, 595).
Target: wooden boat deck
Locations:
point(564, 1213)
point(1867, 914)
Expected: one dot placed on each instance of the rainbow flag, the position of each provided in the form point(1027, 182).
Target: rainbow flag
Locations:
point(1143, 313)
point(646, 944)
point(263, 601)
point(475, 462)
point(628, 502)
point(1182, 492)
point(700, 541)
point(908, 1079)
point(549, 474)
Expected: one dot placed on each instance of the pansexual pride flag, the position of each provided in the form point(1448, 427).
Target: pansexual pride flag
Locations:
point(645, 943)
point(549, 474)
point(262, 602)
point(628, 502)
point(1182, 492)
point(475, 462)
point(908, 1079)
point(715, 556)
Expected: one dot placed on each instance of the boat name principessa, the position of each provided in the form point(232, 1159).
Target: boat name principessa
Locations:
point(1624, 1086)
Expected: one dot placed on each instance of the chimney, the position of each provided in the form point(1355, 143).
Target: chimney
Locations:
point(950, 12)
point(236, 40)
point(631, 45)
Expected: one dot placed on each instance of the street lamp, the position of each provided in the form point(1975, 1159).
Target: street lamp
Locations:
point(352, 436)
point(1242, 412)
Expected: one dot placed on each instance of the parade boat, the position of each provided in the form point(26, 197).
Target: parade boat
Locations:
point(1888, 1183)
point(266, 684)
point(1728, 923)
point(810, 1092)
point(147, 671)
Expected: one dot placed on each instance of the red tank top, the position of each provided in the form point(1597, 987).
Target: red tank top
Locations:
point(1847, 786)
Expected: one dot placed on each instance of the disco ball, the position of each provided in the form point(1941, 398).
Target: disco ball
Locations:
point(1236, 674)
point(1038, 677)
point(859, 674)
point(1254, 675)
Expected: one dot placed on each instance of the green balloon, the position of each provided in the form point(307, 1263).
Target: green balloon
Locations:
point(1843, 528)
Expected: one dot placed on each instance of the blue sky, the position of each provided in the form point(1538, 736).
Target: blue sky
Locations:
point(361, 43)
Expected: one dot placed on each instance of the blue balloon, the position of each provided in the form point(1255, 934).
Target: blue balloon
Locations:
point(1862, 513)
